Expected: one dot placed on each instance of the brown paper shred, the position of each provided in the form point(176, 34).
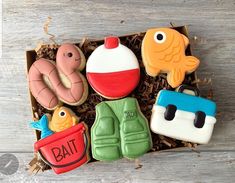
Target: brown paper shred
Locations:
point(210, 94)
point(36, 116)
point(82, 42)
point(47, 52)
point(39, 45)
point(46, 27)
point(189, 144)
point(193, 149)
point(172, 24)
point(33, 161)
point(146, 91)
point(167, 141)
point(137, 164)
point(204, 81)
point(37, 165)
point(218, 114)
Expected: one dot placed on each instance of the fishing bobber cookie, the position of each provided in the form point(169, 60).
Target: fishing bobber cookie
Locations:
point(113, 69)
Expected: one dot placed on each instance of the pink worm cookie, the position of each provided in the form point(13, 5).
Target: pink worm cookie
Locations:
point(69, 60)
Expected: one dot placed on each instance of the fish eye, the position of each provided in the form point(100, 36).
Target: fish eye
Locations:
point(62, 113)
point(160, 37)
point(69, 54)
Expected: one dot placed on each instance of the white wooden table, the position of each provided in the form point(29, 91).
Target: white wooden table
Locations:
point(212, 22)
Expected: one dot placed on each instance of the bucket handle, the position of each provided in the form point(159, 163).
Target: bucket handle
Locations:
point(67, 164)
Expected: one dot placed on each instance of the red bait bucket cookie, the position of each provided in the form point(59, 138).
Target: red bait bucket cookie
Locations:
point(66, 150)
point(113, 69)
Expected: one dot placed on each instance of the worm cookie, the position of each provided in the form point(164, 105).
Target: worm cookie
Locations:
point(62, 81)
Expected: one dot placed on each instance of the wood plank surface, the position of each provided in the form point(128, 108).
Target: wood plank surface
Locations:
point(181, 166)
point(211, 27)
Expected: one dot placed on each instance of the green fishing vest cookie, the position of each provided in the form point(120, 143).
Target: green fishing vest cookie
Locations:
point(120, 130)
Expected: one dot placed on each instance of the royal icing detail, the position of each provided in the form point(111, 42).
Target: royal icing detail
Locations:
point(183, 117)
point(113, 69)
point(42, 125)
point(120, 130)
point(65, 150)
point(48, 91)
point(62, 119)
point(163, 51)
point(64, 144)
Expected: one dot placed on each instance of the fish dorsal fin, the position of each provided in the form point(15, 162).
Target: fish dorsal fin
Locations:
point(75, 121)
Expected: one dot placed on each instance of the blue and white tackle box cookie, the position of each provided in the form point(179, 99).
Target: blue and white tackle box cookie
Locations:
point(183, 116)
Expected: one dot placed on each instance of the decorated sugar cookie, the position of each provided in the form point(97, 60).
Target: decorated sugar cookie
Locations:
point(64, 144)
point(182, 116)
point(163, 50)
point(62, 81)
point(66, 150)
point(62, 119)
point(113, 69)
point(120, 130)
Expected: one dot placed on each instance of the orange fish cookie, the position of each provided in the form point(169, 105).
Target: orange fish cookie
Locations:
point(163, 50)
point(62, 119)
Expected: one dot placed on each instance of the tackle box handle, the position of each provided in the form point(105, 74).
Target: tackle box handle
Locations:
point(191, 88)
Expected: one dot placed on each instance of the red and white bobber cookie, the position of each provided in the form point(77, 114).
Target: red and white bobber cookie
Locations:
point(113, 69)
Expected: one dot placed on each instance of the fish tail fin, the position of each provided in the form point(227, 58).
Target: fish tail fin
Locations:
point(191, 63)
point(44, 122)
point(175, 77)
point(35, 125)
